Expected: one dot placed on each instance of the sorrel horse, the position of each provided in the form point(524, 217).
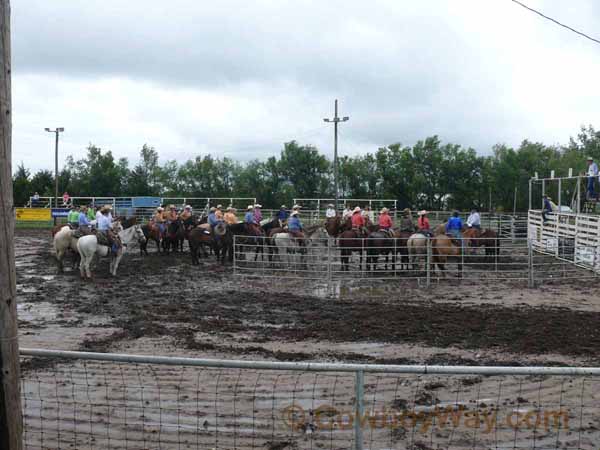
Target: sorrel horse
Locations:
point(379, 243)
point(442, 248)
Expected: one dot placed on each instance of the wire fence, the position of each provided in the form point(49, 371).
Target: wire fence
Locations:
point(97, 401)
point(424, 259)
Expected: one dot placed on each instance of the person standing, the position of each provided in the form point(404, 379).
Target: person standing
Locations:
point(592, 173)
point(66, 197)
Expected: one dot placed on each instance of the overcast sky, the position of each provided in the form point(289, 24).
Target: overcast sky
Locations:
point(238, 78)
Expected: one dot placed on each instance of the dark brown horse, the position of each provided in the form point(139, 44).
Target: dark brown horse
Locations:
point(442, 248)
point(379, 243)
point(336, 225)
point(488, 239)
point(350, 241)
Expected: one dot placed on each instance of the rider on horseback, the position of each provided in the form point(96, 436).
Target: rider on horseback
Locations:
point(230, 218)
point(406, 224)
point(282, 215)
point(84, 222)
point(330, 211)
point(219, 213)
point(454, 227)
point(172, 215)
point(257, 213)
point(295, 226)
point(385, 222)
point(105, 227)
point(160, 221)
point(252, 227)
point(474, 220)
point(186, 214)
point(423, 224)
point(358, 221)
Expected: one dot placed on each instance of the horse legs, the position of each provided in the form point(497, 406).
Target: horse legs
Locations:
point(60, 254)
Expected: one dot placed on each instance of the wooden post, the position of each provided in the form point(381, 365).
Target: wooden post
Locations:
point(11, 420)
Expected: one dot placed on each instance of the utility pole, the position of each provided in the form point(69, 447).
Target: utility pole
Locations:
point(335, 121)
point(56, 132)
point(11, 419)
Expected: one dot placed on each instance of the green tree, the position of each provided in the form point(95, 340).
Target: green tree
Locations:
point(21, 186)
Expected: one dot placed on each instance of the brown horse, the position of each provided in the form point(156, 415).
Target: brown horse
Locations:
point(150, 231)
point(442, 248)
point(488, 239)
point(198, 239)
point(336, 225)
point(379, 243)
point(350, 241)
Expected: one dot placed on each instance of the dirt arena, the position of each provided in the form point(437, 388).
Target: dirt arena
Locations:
point(162, 305)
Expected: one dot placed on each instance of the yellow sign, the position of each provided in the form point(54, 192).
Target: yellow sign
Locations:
point(33, 214)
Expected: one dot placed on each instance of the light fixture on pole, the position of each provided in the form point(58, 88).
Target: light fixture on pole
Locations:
point(57, 131)
point(335, 121)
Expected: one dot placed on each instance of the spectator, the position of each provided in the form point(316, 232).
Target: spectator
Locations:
point(91, 214)
point(35, 200)
point(66, 198)
point(547, 208)
point(592, 175)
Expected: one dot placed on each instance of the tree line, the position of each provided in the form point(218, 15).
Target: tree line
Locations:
point(430, 174)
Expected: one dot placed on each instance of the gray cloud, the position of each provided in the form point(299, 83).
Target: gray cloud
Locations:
point(474, 72)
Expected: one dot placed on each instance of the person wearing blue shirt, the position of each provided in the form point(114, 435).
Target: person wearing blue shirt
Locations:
point(454, 226)
point(212, 217)
point(295, 226)
point(547, 208)
point(283, 214)
point(252, 228)
point(249, 217)
point(84, 222)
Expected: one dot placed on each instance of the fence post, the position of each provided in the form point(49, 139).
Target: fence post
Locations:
point(234, 256)
point(531, 281)
point(329, 274)
point(360, 409)
point(428, 262)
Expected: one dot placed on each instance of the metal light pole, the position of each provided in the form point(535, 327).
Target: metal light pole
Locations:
point(335, 121)
point(56, 132)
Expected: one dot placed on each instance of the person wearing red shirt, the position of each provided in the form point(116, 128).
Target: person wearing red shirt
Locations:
point(385, 221)
point(358, 221)
point(423, 223)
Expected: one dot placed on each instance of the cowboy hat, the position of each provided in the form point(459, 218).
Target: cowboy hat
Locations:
point(188, 207)
point(172, 207)
point(229, 208)
point(383, 211)
point(250, 207)
point(212, 209)
point(296, 206)
point(422, 213)
point(283, 206)
point(219, 206)
point(357, 209)
point(160, 208)
point(258, 206)
point(294, 213)
point(331, 205)
point(589, 158)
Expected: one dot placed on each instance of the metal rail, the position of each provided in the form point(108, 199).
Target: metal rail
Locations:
point(313, 367)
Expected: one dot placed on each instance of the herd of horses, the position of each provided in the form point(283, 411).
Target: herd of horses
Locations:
point(408, 248)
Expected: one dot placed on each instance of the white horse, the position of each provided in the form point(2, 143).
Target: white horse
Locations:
point(88, 247)
point(63, 240)
point(417, 247)
point(296, 251)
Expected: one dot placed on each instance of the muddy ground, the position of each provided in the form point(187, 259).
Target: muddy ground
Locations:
point(162, 305)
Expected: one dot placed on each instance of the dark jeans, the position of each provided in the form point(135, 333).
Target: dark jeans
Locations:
point(591, 187)
point(544, 212)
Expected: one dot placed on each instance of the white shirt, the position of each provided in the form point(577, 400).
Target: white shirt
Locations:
point(347, 213)
point(98, 214)
point(330, 213)
point(474, 219)
point(593, 170)
point(103, 222)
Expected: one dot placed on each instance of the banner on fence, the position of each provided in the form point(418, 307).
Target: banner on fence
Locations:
point(146, 202)
point(32, 214)
point(60, 212)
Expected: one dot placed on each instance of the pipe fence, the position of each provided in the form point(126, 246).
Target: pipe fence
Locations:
point(477, 261)
point(97, 401)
